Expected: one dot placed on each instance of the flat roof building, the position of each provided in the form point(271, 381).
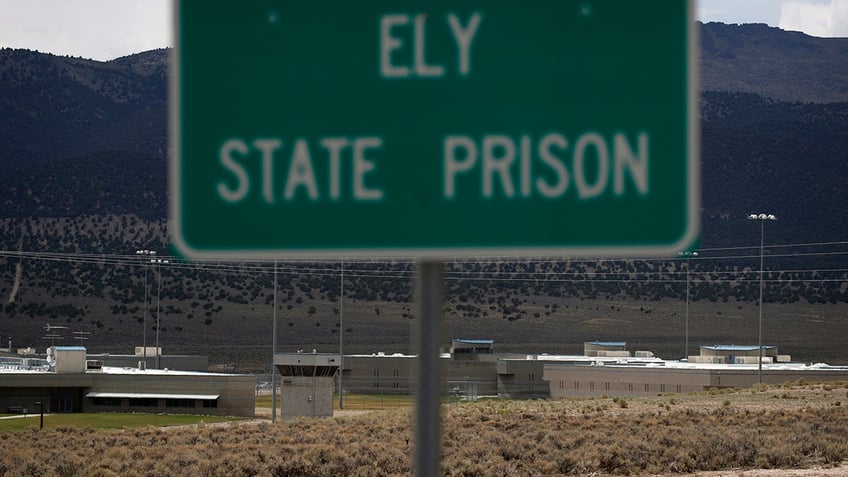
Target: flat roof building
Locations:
point(607, 367)
point(635, 378)
point(68, 382)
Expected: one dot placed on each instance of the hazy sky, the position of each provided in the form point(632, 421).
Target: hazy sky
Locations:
point(108, 29)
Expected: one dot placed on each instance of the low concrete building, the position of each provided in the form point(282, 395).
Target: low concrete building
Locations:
point(68, 382)
point(521, 378)
point(636, 377)
point(474, 369)
point(471, 369)
point(379, 373)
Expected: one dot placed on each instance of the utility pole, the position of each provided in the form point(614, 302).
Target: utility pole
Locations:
point(274, 351)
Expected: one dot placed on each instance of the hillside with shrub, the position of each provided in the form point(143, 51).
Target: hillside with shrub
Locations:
point(83, 185)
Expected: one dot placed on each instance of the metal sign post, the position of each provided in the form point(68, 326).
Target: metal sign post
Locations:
point(40, 405)
point(429, 298)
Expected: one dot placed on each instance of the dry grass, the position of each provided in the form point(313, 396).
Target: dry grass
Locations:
point(794, 426)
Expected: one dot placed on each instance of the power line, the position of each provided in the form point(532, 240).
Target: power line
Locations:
point(490, 269)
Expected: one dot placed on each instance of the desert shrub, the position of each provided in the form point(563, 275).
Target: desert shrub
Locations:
point(834, 452)
point(68, 465)
point(575, 437)
point(101, 472)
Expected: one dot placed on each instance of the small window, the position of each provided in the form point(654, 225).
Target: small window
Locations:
point(107, 401)
point(184, 403)
point(144, 402)
point(210, 403)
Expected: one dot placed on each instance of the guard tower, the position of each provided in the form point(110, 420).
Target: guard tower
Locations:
point(471, 349)
point(66, 359)
point(738, 354)
point(608, 349)
point(307, 383)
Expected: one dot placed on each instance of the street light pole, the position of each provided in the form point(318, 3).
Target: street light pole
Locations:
point(341, 336)
point(144, 318)
point(762, 218)
point(688, 255)
point(274, 351)
point(158, 263)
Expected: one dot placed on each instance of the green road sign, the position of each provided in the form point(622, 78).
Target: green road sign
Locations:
point(434, 128)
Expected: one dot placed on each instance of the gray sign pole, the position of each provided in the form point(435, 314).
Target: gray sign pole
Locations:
point(429, 297)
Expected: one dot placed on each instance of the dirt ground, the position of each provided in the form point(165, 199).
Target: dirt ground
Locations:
point(840, 471)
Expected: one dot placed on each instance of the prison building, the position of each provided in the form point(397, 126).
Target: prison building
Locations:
point(738, 354)
point(640, 379)
point(68, 382)
point(471, 366)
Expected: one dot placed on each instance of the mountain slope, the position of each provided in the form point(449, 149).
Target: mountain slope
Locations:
point(58, 107)
point(784, 158)
point(781, 65)
point(83, 175)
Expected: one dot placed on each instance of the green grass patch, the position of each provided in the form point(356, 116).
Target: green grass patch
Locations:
point(375, 401)
point(109, 421)
point(359, 402)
